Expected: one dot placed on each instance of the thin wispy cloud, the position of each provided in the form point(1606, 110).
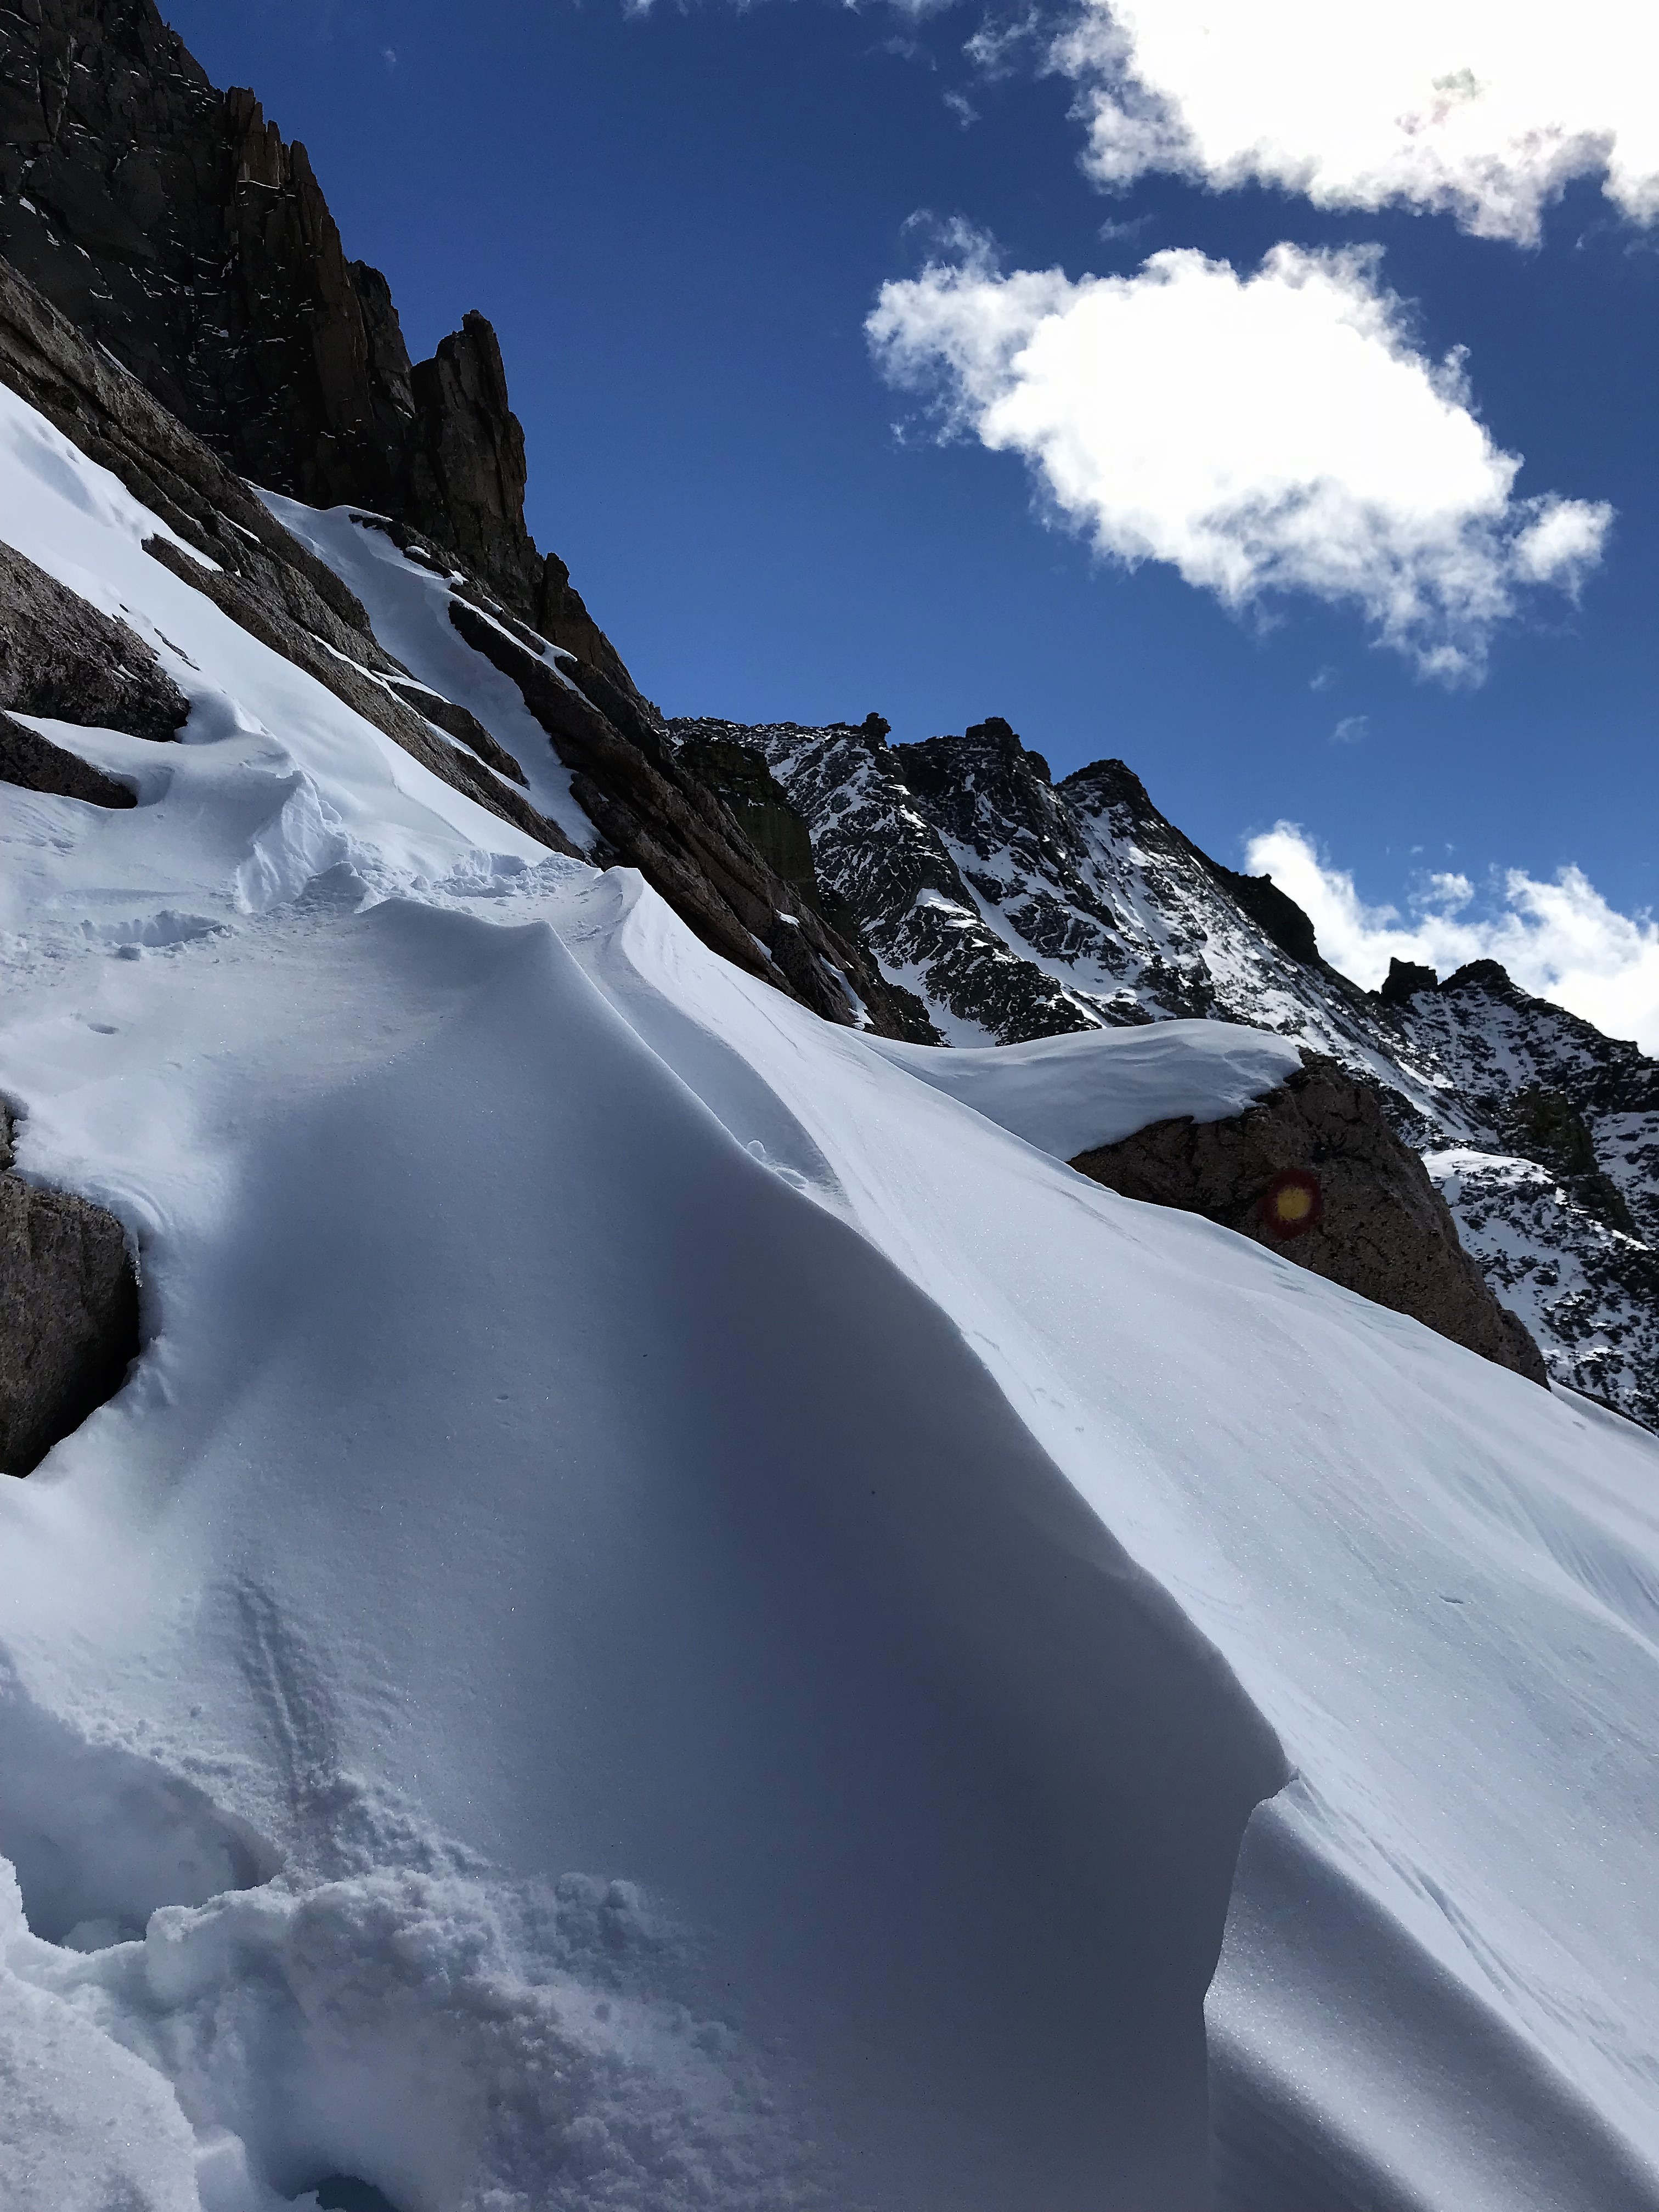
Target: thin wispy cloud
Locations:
point(1486, 109)
point(1119, 229)
point(1560, 939)
point(999, 46)
point(1352, 730)
point(1278, 433)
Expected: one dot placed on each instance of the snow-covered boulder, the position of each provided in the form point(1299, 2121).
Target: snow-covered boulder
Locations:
point(1314, 1170)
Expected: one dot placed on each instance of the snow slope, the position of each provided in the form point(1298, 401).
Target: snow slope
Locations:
point(408, 606)
point(673, 1617)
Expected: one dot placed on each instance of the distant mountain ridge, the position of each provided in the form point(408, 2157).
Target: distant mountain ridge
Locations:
point(1016, 907)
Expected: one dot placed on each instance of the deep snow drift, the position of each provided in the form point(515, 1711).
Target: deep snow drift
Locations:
point(675, 1616)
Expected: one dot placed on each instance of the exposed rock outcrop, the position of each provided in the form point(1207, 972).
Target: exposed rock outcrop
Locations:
point(652, 814)
point(1550, 1129)
point(562, 614)
point(1274, 912)
point(649, 813)
point(173, 224)
point(63, 659)
point(115, 421)
point(260, 576)
point(1404, 981)
point(68, 1313)
point(465, 476)
point(1354, 1204)
point(178, 232)
point(1002, 896)
point(461, 724)
point(32, 762)
point(372, 692)
point(744, 781)
point(888, 867)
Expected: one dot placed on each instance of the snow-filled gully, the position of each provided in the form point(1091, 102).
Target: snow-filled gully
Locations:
point(672, 1618)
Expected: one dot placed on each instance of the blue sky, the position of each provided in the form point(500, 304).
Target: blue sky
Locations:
point(679, 221)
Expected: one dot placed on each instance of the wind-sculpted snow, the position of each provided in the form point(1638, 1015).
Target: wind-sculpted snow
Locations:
point(671, 1617)
point(1019, 909)
point(1375, 1540)
point(1067, 1095)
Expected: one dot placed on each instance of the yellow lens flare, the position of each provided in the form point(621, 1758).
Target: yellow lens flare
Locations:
point(1291, 1204)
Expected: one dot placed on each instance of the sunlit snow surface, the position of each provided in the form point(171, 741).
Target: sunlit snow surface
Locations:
point(674, 1617)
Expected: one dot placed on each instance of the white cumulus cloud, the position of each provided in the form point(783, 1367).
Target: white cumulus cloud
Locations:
point(1483, 108)
point(1273, 433)
point(1560, 941)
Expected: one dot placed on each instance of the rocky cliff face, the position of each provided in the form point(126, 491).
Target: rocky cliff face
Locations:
point(1016, 907)
point(172, 224)
point(61, 657)
point(156, 227)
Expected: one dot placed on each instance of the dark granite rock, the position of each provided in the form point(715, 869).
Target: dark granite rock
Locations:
point(68, 1313)
point(375, 700)
point(115, 421)
point(173, 226)
point(774, 830)
point(1275, 913)
point(34, 763)
point(1404, 980)
point(1546, 1127)
point(652, 814)
point(461, 724)
point(1549, 1128)
point(111, 180)
point(465, 476)
point(562, 614)
point(1383, 1230)
point(63, 659)
point(1483, 975)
